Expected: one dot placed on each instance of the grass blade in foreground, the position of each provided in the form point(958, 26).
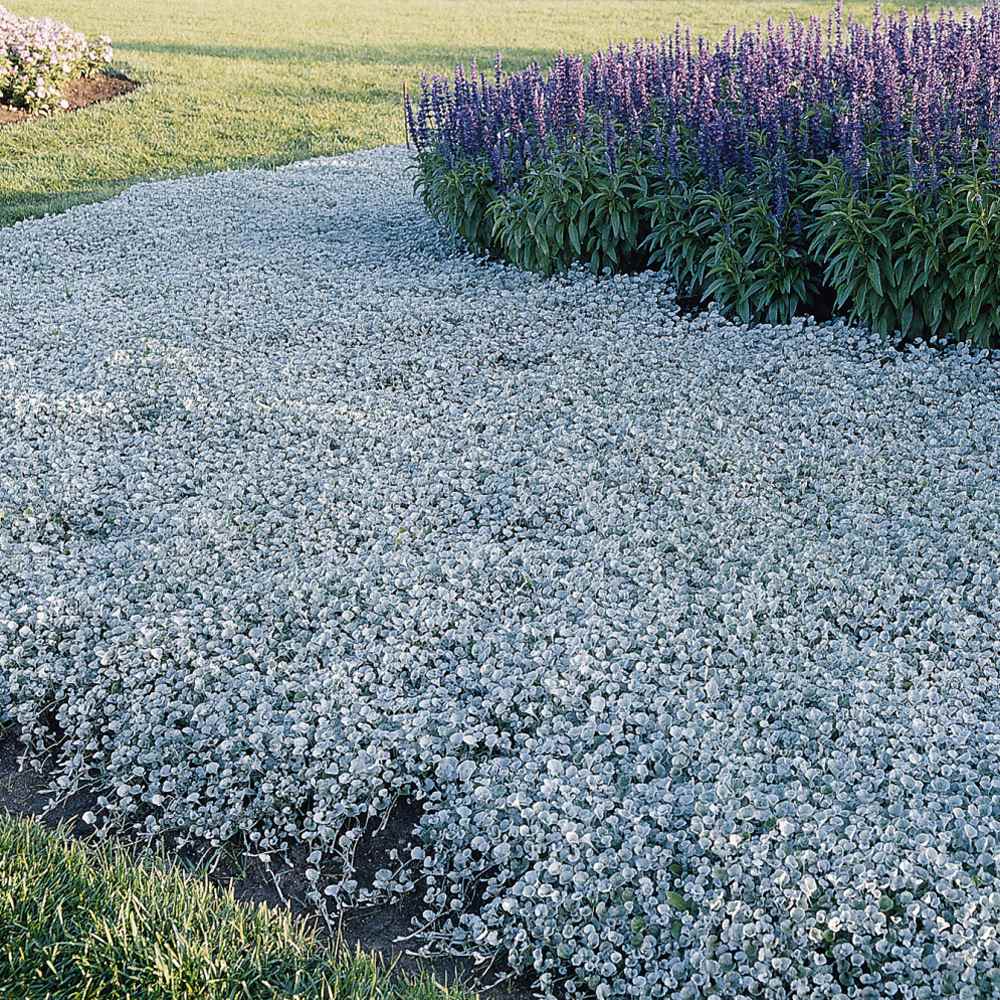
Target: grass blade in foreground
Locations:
point(96, 922)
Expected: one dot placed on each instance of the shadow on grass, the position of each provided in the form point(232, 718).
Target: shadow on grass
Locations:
point(368, 95)
point(401, 55)
point(19, 206)
point(23, 205)
point(443, 55)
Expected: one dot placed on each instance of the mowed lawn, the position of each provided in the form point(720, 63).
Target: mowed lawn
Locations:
point(234, 83)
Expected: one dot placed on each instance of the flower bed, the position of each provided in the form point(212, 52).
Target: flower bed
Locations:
point(39, 55)
point(679, 635)
point(802, 168)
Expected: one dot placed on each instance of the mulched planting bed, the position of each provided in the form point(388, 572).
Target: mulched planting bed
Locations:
point(78, 94)
point(676, 635)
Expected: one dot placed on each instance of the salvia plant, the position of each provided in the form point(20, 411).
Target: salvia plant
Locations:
point(38, 56)
point(824, 167)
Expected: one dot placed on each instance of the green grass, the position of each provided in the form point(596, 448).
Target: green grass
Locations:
point(233, 83)
point(98, 923)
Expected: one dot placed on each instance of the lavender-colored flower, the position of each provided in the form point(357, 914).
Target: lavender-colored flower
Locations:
point(38, 55)
point(859, 93)
point(673, 153)
point(780, 203)
point(496, 164)
point(610, 145)
point(660, 154)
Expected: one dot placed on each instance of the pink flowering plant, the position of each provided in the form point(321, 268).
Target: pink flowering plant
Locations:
point(39, 55)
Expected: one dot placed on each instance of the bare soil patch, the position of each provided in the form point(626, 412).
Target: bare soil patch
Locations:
point(79, 94)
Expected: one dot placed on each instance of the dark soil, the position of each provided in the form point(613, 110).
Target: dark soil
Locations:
point(281, 885)
point(79, 94)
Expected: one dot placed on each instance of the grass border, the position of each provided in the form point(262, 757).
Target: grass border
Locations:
point(99, 921)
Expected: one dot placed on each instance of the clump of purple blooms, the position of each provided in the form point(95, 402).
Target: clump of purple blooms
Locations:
point(38, 56)
point(922, 93)
point(820, 168)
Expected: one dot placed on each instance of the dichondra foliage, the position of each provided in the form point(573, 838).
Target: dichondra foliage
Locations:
point(680, 637)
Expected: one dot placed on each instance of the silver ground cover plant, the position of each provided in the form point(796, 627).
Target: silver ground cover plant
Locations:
point(681, 635)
